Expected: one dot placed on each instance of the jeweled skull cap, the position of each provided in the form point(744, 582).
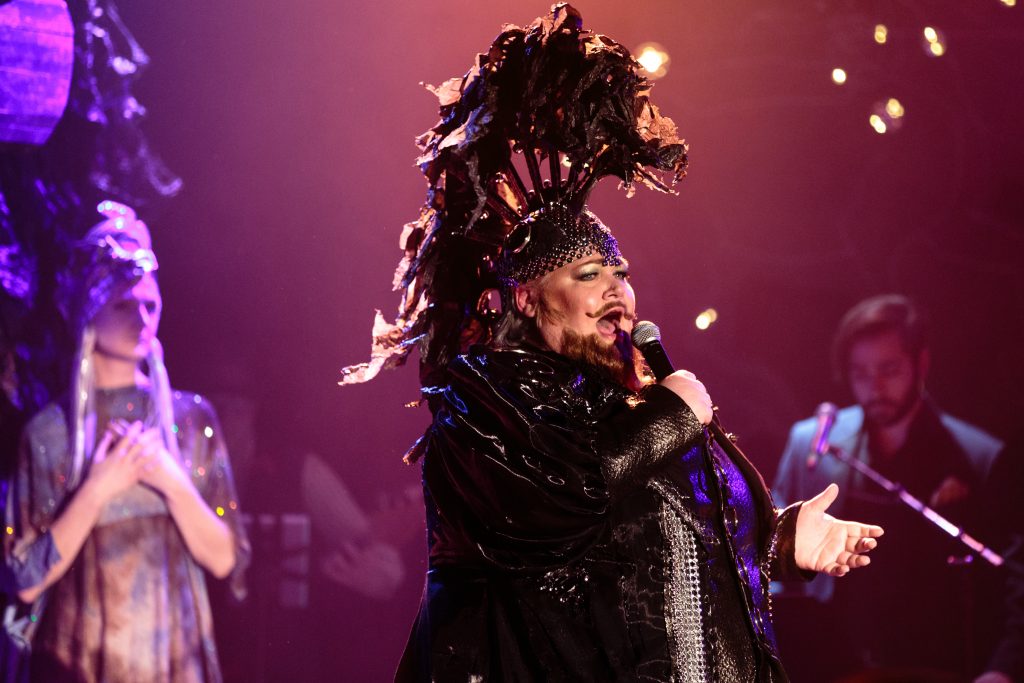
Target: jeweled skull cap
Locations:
point(550, 238)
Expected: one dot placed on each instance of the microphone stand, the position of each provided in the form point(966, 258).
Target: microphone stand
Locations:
point(918, 506)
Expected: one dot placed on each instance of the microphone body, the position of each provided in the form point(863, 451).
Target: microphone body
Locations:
point(647, 338)
point(826, 416)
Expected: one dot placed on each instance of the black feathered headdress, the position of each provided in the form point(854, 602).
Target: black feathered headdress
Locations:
point(524, 136)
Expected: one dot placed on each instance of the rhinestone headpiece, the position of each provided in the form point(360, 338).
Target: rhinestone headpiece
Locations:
point(551, 237)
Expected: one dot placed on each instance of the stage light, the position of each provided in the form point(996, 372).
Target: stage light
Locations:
point(935, 42)
point(1009, 3)
point(881, 34)
point(706, 318)
point(654, 60)
point(887, 115)
point(838, 76)
point(893, 108)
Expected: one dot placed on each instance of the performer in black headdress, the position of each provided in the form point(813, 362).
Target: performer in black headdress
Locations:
point(583, 524)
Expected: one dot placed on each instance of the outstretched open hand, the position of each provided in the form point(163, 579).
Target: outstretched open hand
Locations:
point(830, 545)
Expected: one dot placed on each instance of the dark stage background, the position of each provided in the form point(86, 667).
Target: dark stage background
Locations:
point(292, 125)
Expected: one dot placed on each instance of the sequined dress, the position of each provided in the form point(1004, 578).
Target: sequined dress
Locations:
point(133, 607)
point(579, 532)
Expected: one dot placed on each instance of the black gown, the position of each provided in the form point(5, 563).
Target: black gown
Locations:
point(580, 532)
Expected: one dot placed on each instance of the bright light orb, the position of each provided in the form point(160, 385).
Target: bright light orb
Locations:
point(1009, 3)
point(887, 116)
point(838, 76)
point(894, 108)
point(881, 34)
point(934, 42)
point(706, 318)
point(654, 59)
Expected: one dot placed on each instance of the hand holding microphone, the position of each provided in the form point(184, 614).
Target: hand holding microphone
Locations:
point(687, 387)
point(647, 338)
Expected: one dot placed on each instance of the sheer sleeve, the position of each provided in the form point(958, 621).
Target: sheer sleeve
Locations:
point(206, 457)
point(34, 495)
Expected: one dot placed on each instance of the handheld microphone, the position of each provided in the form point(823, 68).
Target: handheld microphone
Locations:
point(826, 415)
point(647, 337)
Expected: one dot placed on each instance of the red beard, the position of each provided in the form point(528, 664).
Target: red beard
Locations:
point(620, 362)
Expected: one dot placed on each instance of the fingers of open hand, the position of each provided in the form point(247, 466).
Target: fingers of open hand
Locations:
point(856, 544)
point(869, 530)
point(837, 570)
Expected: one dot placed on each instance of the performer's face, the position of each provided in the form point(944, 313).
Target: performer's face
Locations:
point(126, 325)
point(584, 299)
point(884, 378)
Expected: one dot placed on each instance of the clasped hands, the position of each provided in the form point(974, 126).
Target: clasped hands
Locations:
point(129, 454)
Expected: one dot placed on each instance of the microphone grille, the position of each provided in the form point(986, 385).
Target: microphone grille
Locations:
point(645, 332)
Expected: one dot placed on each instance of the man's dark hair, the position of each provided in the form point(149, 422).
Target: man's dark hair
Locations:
point(874, 316)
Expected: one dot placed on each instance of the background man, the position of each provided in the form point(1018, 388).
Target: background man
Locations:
point(921, 599)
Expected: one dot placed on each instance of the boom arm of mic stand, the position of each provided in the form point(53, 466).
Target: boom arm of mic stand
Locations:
point(918, 506)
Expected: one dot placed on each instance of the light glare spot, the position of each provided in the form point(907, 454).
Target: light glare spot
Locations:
point(893, 108)
point(208, 431)
point(838, 76)
point(654, 59)
point(220, 511)
point(877, 123)
point(706, 318)
point(935, 42)
point(881, 34)
point(1009, 3)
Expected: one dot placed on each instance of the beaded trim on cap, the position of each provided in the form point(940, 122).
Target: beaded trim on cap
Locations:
point(551, 237)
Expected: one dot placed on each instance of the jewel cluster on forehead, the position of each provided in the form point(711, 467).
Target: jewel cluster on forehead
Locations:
point(113, 254)
point(550, 238)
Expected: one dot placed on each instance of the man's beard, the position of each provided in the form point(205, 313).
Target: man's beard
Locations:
point(619, 362)
point(884, 413)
